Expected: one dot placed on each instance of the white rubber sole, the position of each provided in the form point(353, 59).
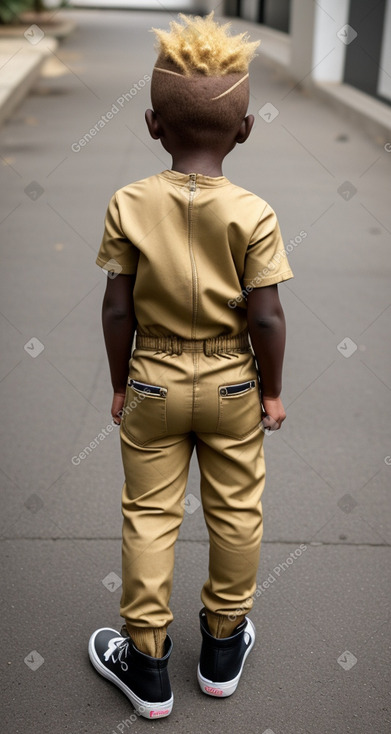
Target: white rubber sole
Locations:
point(156, 710)
point(227, 688)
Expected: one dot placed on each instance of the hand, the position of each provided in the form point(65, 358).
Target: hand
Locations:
point(274, 413)
point(117, 407)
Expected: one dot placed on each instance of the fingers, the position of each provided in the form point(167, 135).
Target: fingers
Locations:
point(117, 408)
point(273, 413)
point(116, 416)
point(271, 424)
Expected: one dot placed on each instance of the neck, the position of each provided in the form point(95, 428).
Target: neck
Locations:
point(198, 161)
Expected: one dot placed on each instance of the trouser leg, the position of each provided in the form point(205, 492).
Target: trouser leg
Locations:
point(152, 508)
point(232, 481)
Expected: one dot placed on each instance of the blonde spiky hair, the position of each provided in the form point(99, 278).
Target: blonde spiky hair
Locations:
point(202, 46)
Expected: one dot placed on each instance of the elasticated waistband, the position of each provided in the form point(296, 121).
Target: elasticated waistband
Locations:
point(173, 344)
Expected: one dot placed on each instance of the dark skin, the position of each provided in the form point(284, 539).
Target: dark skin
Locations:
point(119, 325)
point(266, 320)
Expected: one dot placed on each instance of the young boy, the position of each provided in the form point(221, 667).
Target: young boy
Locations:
point(195, 262)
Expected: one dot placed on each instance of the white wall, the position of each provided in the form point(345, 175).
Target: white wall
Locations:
point(328, 58)
point(316, 50)
point(301, 32)
point(250, 10)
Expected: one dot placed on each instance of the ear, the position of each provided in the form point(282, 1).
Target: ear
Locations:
point(153, 125)
point(245, 129)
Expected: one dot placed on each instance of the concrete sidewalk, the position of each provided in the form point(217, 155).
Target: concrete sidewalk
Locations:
point(320, 663)
point(26, 50)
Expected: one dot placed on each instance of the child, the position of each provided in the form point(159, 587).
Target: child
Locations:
point(195, 262)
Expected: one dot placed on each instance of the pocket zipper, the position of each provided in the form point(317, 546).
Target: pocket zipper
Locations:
point(145, 389)
point(237, 389)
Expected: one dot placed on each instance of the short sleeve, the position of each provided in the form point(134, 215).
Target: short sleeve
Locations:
point(116, 252)
point(266, 261)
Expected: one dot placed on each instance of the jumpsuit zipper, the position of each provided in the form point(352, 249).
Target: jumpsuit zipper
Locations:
point(192, 189)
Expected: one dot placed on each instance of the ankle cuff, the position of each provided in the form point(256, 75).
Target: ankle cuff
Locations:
point(149, 640)
point(220, 625)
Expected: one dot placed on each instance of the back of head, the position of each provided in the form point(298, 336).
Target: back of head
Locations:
point(200, 84)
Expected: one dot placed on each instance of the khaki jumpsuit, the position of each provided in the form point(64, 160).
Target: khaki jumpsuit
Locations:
point(198, 245)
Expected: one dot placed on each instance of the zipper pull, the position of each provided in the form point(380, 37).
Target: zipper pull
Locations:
point(192, 182)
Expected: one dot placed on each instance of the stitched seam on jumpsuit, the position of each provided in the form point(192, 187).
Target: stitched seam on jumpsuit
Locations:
point(194, 286)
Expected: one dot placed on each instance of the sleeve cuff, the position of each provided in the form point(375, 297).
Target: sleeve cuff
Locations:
point(260, 281)
point(113, 265)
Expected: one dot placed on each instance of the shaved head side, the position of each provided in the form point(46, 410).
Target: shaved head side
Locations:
point(200, 85)
point(197, 108)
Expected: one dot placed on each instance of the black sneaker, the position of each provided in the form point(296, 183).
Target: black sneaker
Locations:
point(143, 679)
point(221, 660)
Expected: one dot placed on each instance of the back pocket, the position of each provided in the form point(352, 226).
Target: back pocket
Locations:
point(239, 409)
point(144, 416)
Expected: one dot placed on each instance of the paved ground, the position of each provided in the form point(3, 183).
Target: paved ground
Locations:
point(320, 664)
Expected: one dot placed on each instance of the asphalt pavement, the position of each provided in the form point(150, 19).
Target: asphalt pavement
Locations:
point(321, 661)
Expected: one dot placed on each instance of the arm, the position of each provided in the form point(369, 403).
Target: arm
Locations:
point(119, 325)
point(266, 324)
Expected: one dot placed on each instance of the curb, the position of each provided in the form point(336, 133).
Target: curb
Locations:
point(60, 29)
point(20, 69)
point(23, 51)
